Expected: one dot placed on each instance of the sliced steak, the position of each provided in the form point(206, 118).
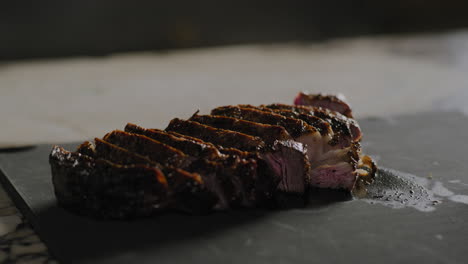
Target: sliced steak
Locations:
point(298, 129)
point(267, 179)
point(194, 148)
point(346, 134)
point(237, 157)
point(285, 156)
point(332, 102)
point(323, 155)
point(221, 137)
point(145, 146)
point(191, 192)
point(105, 189)
point(232, 165)
point(224, 169)
point(268, 133)
point(340, 124)
point(217, 183)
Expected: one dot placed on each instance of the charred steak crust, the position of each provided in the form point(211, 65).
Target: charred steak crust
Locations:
point(216, 136)
point(189, 146)
point(148, 147)
point(217, 179)
point(240, 156)
point(339, 123)
point(232, 166)
point(186, 190)
point(268, 133)
point(86, 148)
point(105, 189)
point(295, 127)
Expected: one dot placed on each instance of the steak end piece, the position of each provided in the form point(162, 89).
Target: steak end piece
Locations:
point(104, 189)
point(332, 102)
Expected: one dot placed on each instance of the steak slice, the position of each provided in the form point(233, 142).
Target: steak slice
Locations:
point(332, 102)
point(266, 182)
point(346, 127)
point(338, 170)
point(268, 133)
point(145, 146)
point(346, 133)
point(236, 175)
point(219, 185)
point(104, 189)
point(194, 148)
point(221, 137)
point(285, 156)
point(223, 150)
point(298, 129)
point(190, 191)
point(322, 154)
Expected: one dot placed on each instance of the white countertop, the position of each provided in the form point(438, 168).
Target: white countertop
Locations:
point(74, 99)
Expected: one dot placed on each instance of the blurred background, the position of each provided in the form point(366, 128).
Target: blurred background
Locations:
point(71, 70)
point(32, 29)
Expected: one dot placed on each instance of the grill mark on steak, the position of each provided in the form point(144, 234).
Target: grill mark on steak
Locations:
point(222, 137)
point(223, 150)
point(195, 148)
point(337, 136)
point(150, 148)
point(119, 155)
point(321, 125)
point(325, 101)
point(339, 123)
point(268, 133)
point(294, 127)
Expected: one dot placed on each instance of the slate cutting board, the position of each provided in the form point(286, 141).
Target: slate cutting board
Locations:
point(336, 231)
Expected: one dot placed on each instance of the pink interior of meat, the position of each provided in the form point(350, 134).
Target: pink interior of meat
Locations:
point(291, 165)
point(334, 176)
point(298, 100)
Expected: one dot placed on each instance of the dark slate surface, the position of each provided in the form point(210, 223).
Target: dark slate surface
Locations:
point(339, 231)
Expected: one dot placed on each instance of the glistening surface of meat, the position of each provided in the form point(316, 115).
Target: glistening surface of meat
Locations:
point(240, 156)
